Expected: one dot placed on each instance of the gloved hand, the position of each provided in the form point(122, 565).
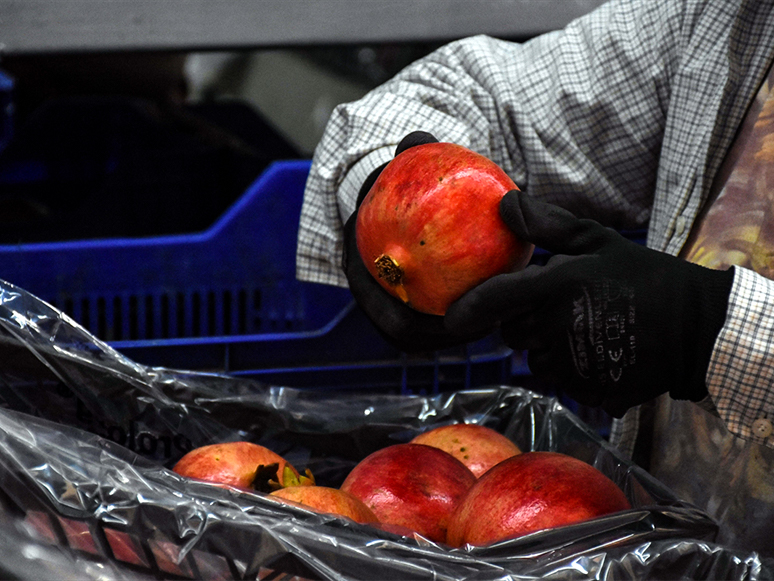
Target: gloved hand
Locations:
point(608, 321)
point(403, 327)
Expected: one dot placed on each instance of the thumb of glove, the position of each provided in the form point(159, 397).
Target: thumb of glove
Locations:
point(550, 227)
point(414, 138)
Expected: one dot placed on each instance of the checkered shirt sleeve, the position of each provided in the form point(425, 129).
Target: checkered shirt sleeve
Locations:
point(575, 116)
point(740, 378)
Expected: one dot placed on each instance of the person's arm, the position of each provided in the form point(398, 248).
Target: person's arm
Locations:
point(615, 324)
point(576, 117)
point(740, 377)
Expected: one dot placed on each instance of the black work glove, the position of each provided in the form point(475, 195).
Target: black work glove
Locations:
point(403, 327)
point(610, 322)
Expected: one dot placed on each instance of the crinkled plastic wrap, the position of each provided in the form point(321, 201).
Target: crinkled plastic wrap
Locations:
point(87, 438)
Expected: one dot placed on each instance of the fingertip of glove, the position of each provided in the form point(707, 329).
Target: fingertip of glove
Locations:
point(512, 211)
point(615, 411)
point(414, 138)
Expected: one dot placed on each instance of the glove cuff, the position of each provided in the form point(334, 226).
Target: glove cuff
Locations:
point(711, 289)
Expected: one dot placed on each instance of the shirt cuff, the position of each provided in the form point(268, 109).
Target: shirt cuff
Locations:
point(740, 377)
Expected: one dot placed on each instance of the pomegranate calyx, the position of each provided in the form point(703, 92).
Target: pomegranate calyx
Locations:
point(289, 479)
point(389, 270)
point(265, 477)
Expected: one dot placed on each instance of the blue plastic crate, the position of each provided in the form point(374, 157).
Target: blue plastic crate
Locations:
point(227, 299)
point(237, 277)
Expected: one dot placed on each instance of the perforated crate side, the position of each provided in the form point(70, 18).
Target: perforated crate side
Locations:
point(235, 278)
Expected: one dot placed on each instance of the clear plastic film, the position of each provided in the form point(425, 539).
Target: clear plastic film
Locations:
point(87, 439)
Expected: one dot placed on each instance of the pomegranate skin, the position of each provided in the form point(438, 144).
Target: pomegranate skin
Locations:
point(430, 229)
point(327, 500)
point(411, 486)
point(476, 446)
point(530, 492)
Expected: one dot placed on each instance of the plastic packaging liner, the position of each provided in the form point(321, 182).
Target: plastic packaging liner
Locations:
point(87, 438)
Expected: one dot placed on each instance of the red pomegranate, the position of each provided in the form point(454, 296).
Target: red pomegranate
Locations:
point(430, 229)
point(531, 492)
point(327, 500)
point(240, 464)
point(411, 486)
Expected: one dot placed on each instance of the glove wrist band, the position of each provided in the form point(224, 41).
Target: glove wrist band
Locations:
point(712, 289)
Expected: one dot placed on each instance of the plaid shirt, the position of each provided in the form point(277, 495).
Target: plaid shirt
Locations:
point(624, 116)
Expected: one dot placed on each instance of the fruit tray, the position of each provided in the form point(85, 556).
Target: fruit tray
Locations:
point(87, 437)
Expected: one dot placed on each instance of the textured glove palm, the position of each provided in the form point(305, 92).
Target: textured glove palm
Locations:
point(612, 323)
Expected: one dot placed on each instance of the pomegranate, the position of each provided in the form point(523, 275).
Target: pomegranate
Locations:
point(531, 492)
point(430, 229)
point(327, 500)
point(476, 446)
point(240, 464)
point(411, 486)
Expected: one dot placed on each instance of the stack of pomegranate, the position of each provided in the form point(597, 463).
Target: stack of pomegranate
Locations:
point(460, 484)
